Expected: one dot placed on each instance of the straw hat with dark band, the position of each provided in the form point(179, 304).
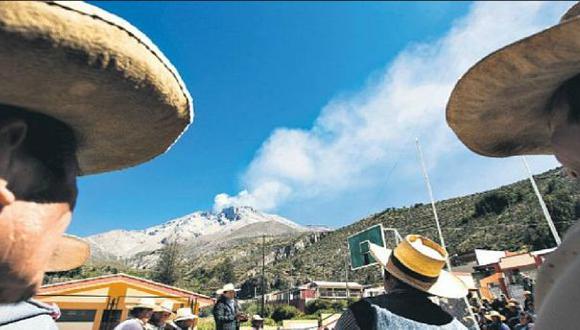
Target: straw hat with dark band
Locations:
point(501, 106)
point(102, 77)
point(419, 262)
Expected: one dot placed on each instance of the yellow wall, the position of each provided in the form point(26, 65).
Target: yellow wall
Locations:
point(73, 299)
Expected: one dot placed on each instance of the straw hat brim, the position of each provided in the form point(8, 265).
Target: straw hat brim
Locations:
point(501, 317)
point(70, 252)
point(446, 286)
point(500, 107)
point(184, 318)
point(98, 74)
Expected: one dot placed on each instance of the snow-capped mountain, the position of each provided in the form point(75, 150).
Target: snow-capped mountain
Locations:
point(194, 229)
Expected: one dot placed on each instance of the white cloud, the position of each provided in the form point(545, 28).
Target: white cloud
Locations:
point(358, 137)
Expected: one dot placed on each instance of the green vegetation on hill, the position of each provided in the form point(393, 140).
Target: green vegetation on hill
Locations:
point(506, 218)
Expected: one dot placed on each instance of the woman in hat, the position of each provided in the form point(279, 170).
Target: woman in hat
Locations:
point(496, 321)
point(413, 272)
point(185, 319)
point(524, 99)
point(139, 315)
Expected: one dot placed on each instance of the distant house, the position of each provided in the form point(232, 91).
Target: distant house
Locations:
point(301, 295)
point(505, 272)
point(99, 303)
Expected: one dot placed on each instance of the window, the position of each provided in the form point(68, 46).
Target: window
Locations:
point(77, 315)
point(111, 318)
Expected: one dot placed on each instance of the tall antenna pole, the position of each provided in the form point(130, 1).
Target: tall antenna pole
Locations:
point(542, 203)
point(428, 183)
point(262, 314)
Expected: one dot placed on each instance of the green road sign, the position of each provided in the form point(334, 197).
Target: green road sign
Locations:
point(358, 246)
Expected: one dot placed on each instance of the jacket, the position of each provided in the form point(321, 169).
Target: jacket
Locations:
point(225, 316)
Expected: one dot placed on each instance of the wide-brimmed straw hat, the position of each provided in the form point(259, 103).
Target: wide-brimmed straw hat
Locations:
point(501, 106)
point(70, 252)
point(418, 261)
point(165, 306)
point(184, 314)
point(494, 313)
point(148, 303)
point(95, 72)
point(226, 288)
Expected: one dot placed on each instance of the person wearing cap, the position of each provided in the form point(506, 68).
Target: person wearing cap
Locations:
point(524, 99)
point(185, 319)
point(161, 316)
point(257, 322)
point(227, 313)
point(496, 321)
point(413, 273)
point(139, 315)
point(81, 92)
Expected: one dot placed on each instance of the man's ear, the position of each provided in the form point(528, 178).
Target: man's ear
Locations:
point(12, 134)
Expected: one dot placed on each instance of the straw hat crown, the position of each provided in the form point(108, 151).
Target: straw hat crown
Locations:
point(146, 303)
point(419, 262)
point(184, 314)
point(226, 288)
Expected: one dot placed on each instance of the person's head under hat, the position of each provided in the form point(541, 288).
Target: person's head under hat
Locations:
point(495, 317)
point(228, 291)
point(162, 313)
point(185, 319)
point(257, 321)
point(143, 310)
point(64, 114)
point(417, 264)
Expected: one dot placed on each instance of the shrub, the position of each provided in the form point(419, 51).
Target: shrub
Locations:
point(284, 312)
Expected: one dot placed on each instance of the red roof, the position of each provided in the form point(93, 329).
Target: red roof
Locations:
point(69, 285)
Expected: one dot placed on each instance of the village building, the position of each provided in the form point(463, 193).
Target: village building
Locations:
point(301, 295)
point(100, 303)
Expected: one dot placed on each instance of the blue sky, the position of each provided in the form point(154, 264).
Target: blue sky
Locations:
point(310, 110)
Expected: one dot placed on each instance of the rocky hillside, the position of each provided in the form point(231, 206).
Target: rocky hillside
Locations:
point(506, 218)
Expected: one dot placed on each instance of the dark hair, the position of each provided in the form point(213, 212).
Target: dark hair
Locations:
point(136, 312)
point(402, 286)
point(48, 140)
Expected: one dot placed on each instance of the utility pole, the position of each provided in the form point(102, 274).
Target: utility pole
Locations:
point(262, 313)
point(542, 203)
point(428, 183)
point(346, 275)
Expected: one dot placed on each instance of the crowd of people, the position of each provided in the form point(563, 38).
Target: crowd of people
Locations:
point(504, 314)
point(147, 315)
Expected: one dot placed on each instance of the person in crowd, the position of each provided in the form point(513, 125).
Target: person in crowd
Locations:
point(226, 311)
point(512, 314)
point(139, 315)
point(528, 300)
point(525, 322)
point(527, 283)
point(66, 113)
point(413, 272)
point(159, 320)
point(524, 99)
point(499, 304)
point(496, 321)
point(481, 316)
point(257, 322)
point(485, 303)
point(185, 319)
